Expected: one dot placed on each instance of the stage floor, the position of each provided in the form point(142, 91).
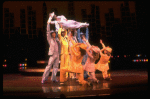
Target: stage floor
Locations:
point(124, 83)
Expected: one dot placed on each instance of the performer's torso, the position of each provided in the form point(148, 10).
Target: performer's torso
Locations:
point(64, 45)
point(90, 64)
point(104, 59)
point(54, 47)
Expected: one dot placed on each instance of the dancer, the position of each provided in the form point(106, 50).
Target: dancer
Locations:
point(93, 55)
point(80, 37)
point(67, 24)
point(56, 22)
point(73, 34)
point(78, 50)
point(102, 65)
point(70, 24)
point(54, 51)
point(62, 35)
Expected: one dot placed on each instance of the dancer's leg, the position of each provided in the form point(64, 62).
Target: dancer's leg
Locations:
point(105, 75)
point(62, 61)
point(55, 68)
point(63, 74)
point(83, 63)
point(48, 68)
point(81, 78)
point(66, 61)
point(93, 76)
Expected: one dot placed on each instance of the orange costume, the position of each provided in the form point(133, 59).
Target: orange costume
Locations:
point(75, 64)
point(102, 65)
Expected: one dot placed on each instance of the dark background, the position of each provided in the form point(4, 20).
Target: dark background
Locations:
point(18, 47)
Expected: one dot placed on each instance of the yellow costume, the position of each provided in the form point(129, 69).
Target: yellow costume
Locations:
point(64, 49)
point(75, 64)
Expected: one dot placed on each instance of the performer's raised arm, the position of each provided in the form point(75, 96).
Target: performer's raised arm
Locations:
point(78, 35)
point(87, 33)
point(101, 51)
point(48, 33)
point(88, 52)
point(50, 17)
point(59, 34)
point(102, 43)
point(86, 41)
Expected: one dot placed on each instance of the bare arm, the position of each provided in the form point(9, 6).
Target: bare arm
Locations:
point(87, 42)
point(48, 34)
point(102, 51)
point(59, 33)
point(102, 43)
point(88, 52)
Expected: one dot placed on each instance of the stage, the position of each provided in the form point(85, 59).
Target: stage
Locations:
point(124, 83)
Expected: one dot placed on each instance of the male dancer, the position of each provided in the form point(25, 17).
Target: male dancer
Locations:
point(54, 51)
point(62, 35)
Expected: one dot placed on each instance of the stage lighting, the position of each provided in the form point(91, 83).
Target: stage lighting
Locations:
point(25, 64)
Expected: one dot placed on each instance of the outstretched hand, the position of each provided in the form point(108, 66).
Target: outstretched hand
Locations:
point(51, 14)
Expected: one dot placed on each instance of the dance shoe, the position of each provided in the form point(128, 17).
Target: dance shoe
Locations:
point(43, 81)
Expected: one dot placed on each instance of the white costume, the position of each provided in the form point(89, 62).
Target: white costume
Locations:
point(54, 52)
point(71, 24)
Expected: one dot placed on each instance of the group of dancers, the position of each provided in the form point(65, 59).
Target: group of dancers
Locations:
point(77, 56)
